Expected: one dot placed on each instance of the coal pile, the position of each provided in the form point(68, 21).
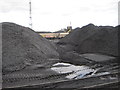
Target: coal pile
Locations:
point(30, 60)
point(22, 47)
point(92, 39)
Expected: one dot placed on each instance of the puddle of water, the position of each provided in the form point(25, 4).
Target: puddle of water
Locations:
point(97, 57)
point(80, 74)
point(76, 71)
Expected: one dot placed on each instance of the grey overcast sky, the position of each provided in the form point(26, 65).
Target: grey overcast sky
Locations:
point(53, 15)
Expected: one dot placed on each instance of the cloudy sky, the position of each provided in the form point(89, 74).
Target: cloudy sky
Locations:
point(53, 15)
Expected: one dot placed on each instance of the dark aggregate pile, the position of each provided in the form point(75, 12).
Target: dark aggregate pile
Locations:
point(21, 46)
point(90, 39)
point(29, 56)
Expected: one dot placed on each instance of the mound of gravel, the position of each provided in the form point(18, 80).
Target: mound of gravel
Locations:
point(22, 46)
point(92, 39)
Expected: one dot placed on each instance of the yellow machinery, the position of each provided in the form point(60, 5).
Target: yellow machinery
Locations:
point(56, 35)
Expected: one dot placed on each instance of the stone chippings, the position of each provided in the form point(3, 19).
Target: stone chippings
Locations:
point(22, 46)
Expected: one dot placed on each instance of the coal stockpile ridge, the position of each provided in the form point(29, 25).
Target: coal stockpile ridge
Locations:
point(92, 39)
point(22, 46)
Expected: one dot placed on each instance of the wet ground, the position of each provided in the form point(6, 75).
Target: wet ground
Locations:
point(63, 75)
